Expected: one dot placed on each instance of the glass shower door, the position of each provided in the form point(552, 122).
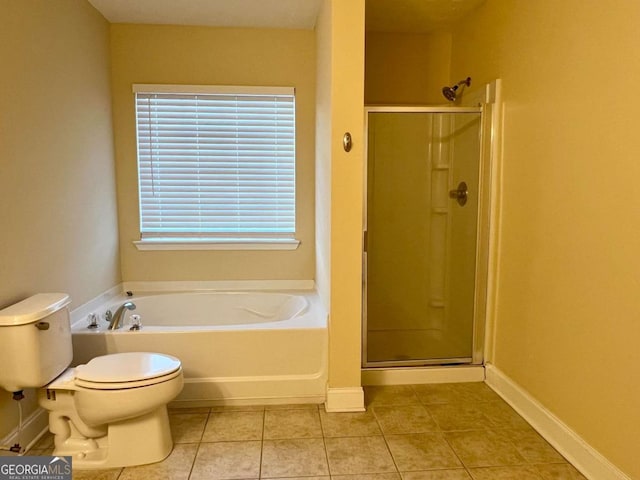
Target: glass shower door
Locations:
point(421, 221)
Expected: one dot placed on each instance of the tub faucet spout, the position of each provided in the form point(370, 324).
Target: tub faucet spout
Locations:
point(115, 318)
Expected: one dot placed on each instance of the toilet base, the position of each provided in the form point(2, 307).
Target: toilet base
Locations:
point(137, 441)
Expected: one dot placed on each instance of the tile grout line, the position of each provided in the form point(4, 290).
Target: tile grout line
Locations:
point(442, 432)
point(466, 469)
point(324, 443)
point(386, 443)
point(193, 463)
point(264, 421)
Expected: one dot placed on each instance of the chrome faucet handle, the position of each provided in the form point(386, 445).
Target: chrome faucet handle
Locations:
point(93, 320)
point(136, 323)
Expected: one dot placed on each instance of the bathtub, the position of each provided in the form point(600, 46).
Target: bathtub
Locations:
point(236, 348)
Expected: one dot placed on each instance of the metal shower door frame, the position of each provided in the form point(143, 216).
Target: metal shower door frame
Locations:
point(482, 240)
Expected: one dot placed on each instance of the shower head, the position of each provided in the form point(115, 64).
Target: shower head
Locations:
point(450, 93)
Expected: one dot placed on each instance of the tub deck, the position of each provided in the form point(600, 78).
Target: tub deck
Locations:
point(281, 361)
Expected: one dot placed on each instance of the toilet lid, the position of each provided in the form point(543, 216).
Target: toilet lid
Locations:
point(127, 367)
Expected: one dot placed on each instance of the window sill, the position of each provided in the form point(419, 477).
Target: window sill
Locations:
point(217, 244)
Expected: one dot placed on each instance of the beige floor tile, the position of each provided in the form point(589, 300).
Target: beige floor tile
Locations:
point(457, 474)
point(45, 452)
point(227, 460)
point(461, 416)
point(109, 474)
point(428, 431)
point(349, 424)
point(292, 424)
point(176, 410)
point(559, 472)
point(455, 393)
point(505, 473)
point(323, 477)
point(532, 446)
point(422, 451)
point(405, 419)
point(233, 426)
point(187, 427)
point(177, 466)
point(358, 455)
point(238, 408)
point(368, 476)
point(390, 395)
point(6, 453)
point(44, 442)
point(484, 449)
point(294, 458)
point(293, 406)
point(501, 415)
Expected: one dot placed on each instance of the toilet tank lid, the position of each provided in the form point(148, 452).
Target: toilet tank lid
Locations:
point(127, 367)
point(32, 309)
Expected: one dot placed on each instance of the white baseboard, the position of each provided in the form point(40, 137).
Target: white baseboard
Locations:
point(583, 456)
point(414, 375)
point(347, 399)
point(33, 427)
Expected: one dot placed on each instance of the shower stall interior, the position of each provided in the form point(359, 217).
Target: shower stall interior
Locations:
point(423, 198)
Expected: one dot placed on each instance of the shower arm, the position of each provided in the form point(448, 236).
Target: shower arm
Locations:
point(466, 81)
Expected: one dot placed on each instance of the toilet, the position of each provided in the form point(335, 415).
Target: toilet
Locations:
point(110, 412)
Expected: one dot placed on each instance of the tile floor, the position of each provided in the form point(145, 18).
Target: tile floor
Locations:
point(411, 432)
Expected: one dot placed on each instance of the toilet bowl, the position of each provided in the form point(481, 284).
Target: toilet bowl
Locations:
point(112, 411)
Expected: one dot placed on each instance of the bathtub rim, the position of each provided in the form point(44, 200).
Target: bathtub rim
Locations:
point(79, 315)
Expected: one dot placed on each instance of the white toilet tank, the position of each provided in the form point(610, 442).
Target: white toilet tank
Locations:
point(35, 341)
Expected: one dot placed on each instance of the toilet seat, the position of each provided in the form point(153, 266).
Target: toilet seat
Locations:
point(126, 385)
point(126, 370)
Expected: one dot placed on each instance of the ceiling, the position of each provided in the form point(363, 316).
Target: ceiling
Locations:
point(415, 16)
point(409, 16)
point(216, 13)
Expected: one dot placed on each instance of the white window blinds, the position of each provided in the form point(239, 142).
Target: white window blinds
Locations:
point(216, 161)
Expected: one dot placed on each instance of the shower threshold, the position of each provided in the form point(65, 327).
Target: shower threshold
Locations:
point(398, 362)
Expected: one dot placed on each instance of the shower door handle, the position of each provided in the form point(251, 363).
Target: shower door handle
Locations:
point(460, 194)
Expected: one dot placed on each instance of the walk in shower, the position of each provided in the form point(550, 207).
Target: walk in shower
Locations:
point(424, 194)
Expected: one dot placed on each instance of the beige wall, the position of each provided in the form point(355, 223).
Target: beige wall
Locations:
point(406, 68)
point(340, 100)
point(57, 192)
point(323, 152)
point(567, 327)
point(217, 56)
point(347, 101)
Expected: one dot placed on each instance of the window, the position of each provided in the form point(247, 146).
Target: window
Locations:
point(216, 167)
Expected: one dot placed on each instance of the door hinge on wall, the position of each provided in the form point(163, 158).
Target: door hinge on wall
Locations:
point(365, 241)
